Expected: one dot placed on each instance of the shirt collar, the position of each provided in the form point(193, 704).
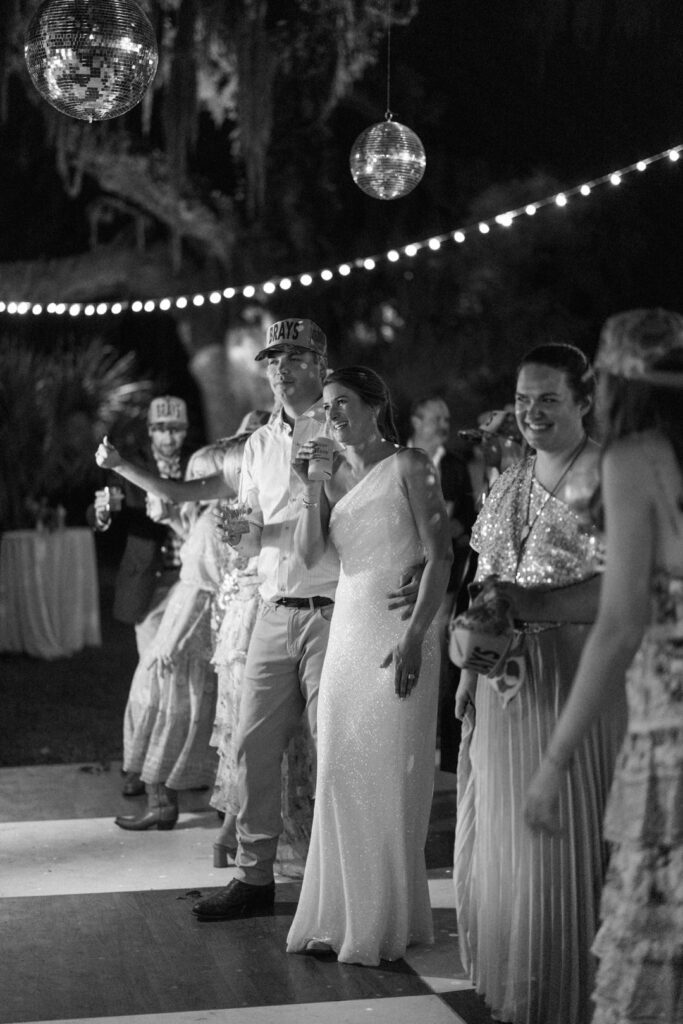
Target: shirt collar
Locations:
point(314, 412)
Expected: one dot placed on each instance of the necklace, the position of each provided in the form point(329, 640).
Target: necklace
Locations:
point(530, 523)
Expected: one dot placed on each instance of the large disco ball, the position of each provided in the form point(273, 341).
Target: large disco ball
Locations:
point(91, 59)
point(387, 160)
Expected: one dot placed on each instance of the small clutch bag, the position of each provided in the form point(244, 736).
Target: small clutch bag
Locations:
point(480, 638)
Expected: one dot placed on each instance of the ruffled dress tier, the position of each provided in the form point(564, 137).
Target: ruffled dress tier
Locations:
point(175, 707)
point(527, 904)
point(640, 942)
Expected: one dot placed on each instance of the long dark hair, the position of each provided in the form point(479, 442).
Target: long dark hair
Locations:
point(373, 390)
point(576, 368)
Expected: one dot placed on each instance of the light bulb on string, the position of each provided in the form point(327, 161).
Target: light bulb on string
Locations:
point(91, 59)
point(387, 160)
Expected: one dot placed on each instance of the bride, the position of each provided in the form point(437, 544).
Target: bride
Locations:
point(365, 895)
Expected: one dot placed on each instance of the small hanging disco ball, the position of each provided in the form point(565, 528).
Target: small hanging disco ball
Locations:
point(387, 160)
point(91, 59)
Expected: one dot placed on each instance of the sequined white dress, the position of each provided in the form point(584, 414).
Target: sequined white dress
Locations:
point(640, 942)
point(527, 904)
point(365, 887)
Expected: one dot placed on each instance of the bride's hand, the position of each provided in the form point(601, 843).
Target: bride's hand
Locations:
point(407, 659)
point(311, 450)
point(107, 455)
point(304, 454)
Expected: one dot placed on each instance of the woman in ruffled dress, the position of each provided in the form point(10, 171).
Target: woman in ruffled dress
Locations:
point(169, 746)
point(527, 904)
point(638, 636)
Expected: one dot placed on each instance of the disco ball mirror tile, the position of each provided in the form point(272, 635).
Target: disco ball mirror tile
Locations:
point(387, 160)
point(91, 59)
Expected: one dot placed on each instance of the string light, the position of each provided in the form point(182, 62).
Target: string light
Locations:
point(505, 220)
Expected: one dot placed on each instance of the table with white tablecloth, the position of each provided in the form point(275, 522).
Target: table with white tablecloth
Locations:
point(49, 597)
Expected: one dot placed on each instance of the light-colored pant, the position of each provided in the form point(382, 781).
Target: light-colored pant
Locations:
point(281, 678)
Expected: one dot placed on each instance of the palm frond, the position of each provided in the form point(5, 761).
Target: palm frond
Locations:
point(53, 407)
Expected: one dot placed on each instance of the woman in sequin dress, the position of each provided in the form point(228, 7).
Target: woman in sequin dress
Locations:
point(238, 600)
point(527, 904)
point(365, 895)
point(639, 635)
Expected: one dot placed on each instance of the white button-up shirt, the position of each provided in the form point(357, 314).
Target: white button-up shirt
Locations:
point(273, 490)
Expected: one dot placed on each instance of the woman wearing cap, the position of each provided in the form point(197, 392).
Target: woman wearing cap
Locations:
point(527, 904)
point(638, 634)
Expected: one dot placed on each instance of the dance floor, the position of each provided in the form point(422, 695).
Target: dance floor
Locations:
point(95, 923)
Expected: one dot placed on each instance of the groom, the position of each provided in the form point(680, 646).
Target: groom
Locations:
point(288, 643)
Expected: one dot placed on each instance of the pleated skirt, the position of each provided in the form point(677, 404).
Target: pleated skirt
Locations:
point(528, 904)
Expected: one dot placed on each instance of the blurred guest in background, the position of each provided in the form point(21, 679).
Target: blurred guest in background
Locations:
point(430, 422)
point(174, 687)
point(150, 565)
point(495, 444)
point(638, 633)
point(527, 904)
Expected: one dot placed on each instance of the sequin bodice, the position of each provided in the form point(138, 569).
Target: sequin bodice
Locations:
point(555, 554)
point(654, 682)
point(373, 529)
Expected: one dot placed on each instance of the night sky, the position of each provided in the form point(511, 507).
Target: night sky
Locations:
point(494, 106)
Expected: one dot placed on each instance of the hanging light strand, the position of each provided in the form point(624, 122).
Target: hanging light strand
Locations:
point(307, 279)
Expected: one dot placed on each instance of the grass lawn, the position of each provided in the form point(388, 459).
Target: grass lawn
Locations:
point(71, 709)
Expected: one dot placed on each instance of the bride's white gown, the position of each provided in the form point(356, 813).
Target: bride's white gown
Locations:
point(365, 885)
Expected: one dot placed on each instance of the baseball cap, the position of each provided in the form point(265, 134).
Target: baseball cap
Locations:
point(300, 332)
point(167, 409)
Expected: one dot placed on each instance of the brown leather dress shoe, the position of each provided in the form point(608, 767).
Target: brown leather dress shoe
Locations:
point(238, 899)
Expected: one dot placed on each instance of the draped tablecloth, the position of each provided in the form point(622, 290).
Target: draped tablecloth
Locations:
point(49, 598)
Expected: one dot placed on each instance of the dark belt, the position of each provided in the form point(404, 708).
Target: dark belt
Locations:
point(304, 602)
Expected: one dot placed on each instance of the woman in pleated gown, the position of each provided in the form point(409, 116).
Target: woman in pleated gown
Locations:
point(637, 639)
point(527, 905)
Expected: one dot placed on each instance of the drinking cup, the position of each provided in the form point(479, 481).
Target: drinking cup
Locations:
point(320, 467)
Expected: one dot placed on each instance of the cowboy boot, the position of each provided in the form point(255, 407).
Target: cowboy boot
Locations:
point(133, 785)
point(162, 810)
